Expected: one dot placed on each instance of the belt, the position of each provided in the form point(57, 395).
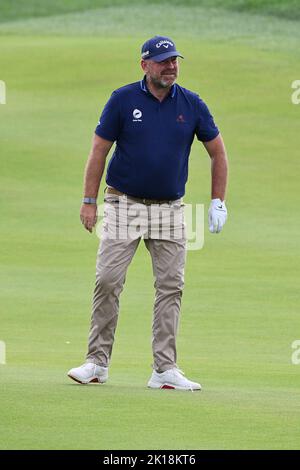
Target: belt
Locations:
point(147, 202)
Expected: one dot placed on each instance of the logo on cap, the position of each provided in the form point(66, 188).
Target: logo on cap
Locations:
point(164, 43)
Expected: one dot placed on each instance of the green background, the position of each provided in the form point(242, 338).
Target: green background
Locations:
point(240, 312)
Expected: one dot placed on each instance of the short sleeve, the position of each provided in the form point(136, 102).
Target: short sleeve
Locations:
point(109, 123)
point(206, 128)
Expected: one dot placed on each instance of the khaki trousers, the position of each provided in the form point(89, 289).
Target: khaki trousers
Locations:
point(168, 253)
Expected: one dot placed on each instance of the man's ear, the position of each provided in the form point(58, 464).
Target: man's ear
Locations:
point(144, 65)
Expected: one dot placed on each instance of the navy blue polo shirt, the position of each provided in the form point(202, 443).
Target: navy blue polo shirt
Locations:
point(153, 139)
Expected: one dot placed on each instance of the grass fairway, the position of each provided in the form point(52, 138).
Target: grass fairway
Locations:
point(240, 310)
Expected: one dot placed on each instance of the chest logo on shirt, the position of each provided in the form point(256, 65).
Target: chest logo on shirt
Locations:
point(180, 118)
point(137, 114)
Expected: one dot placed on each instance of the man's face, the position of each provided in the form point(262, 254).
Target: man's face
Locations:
point(161, 74)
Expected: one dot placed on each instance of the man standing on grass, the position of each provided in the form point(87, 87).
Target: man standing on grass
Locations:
point(153, 123)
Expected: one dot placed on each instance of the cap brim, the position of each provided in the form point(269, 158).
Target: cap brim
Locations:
point(166, 55)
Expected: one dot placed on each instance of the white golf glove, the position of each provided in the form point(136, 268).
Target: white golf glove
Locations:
point(217, 215)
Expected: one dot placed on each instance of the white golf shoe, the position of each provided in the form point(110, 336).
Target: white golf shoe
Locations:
point(172, 379)
point(89, 373)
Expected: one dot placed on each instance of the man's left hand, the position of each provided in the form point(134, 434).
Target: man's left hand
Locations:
point(217, 215)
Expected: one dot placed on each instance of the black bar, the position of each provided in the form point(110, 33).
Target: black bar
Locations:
point(138, 458)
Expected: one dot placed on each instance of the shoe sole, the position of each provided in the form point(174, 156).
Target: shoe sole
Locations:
point(94, 380)
point(172, 387)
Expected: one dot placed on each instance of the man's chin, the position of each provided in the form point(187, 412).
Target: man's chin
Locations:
point(167, 83)
point(160, 83)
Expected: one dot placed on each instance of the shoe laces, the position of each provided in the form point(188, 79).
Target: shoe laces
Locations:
point(178, 370)
point(92, 367)
point(182, 373)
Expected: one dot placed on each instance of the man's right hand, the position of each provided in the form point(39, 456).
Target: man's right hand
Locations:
point(88, 216)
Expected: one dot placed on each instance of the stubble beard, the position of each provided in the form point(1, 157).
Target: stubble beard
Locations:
point(161, 83)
